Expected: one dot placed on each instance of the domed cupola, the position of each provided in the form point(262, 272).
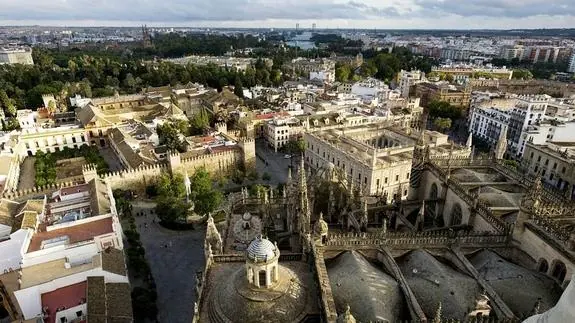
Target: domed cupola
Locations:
point(262, 263)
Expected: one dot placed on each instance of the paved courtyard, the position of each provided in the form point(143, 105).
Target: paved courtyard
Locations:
point(111, 159)
point(27, 174)
point(277, 164)
point(174, 266)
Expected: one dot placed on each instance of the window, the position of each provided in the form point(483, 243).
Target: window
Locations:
point(551, 176)
point(365, 180)
point(554, 166)
point(385, 181)
point(397, 178)
point(407, 176)
point(377, 182)
point(538, 158)
point(563, 170)
point(456, 214)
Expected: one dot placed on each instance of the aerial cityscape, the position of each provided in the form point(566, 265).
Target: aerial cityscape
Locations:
point(308, 161)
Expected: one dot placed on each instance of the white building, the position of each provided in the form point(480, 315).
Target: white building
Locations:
point(327, 76)
point(16, 56)
point(407, 79)
point(527, 121)
point(279, 131)
point(528, 110)
point(26, 118)
point(571, 68)
point(487, 123)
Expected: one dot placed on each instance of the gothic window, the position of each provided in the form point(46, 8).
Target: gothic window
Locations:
point(433, 194)
point(559, 271)
point(543, 266)
point(456, 214)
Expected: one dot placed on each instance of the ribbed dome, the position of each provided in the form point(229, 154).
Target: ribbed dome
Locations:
point(261, 250)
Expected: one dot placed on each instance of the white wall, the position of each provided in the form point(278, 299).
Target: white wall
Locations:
point(11, 250)
point(29, 299)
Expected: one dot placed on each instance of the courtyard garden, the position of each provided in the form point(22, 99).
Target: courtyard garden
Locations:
point(49, 170)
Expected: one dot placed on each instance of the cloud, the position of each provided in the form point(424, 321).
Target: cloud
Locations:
point(189, 10)
point(402, 14)
point(499, 8)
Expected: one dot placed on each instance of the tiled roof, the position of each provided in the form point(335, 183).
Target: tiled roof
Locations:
point(76, 233)
point(96, 299)
point(113, 261)
point(108, 302)
point(20, 215)
point(118, 307)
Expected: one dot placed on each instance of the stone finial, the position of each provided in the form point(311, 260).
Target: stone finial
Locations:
point(437, 318)
point(501, 146)
point(346, 317)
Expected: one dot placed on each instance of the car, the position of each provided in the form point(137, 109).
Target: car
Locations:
point(287, 156)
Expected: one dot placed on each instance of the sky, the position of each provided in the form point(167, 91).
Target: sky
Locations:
point(384, 14)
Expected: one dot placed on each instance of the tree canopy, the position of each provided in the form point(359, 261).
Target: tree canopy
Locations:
point(205, 197)
point(170, 134)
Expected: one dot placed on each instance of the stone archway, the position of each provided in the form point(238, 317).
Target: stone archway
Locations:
point(559, 271)
point(262, 278)
point(543, 266)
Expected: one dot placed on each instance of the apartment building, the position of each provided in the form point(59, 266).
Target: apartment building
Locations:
point(407, 79)
point(554, 162)
point(528, 110)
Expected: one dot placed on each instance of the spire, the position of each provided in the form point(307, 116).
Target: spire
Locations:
point(469, 142)
point(213, 237)
point(501, 146)
point(304, 200)
point(364, 217)
point(346, 316)
point(437, 318)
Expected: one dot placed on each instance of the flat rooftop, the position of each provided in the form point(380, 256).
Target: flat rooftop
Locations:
point(72, 234)
point(65, 297)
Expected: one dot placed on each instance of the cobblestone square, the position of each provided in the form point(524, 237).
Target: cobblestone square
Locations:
point(174, 257)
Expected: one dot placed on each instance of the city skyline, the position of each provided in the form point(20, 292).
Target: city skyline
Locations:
point(395, 14)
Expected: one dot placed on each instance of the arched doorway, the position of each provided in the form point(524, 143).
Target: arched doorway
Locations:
point(543, 266)
point(559, 271)
point(262, 278)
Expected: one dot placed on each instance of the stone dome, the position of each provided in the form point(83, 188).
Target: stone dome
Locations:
point(262, 250)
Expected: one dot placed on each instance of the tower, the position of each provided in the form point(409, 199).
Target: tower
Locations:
point(146, 39)
point(417, 164)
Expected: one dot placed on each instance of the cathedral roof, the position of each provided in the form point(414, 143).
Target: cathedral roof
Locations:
point(261, 250)
point(433, 281)
point(372, 295)
point(506, 277)
point(232, 299)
